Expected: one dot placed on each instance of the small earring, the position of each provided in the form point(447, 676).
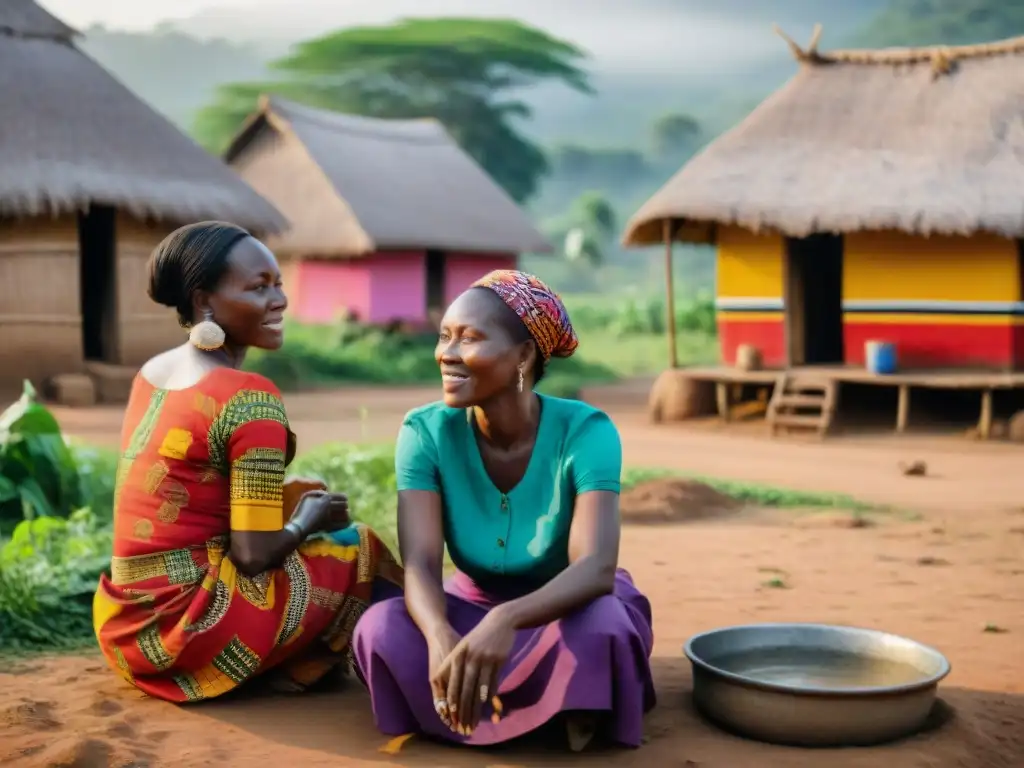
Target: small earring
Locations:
point(206, 335)
point(519, 386)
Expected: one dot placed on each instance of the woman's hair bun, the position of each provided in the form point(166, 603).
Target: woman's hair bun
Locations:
point(191, 258)
point(165, 283)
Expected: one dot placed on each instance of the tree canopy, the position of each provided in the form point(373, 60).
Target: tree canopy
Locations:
point(463, 72)
point(674, 134)
point(944, 22)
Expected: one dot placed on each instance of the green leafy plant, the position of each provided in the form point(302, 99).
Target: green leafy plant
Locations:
point(38, 476)
point(48, 574)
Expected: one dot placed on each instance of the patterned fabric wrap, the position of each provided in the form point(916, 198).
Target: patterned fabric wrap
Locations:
point(176, 618)
point(539, 307)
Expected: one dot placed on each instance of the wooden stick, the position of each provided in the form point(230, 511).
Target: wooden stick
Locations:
point(985, 422)
point(903, 408)
point(670, 299)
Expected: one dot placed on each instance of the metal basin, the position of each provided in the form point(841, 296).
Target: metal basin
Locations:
point(814, 684)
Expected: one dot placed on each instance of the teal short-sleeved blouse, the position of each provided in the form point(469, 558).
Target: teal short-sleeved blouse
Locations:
point(521, 536)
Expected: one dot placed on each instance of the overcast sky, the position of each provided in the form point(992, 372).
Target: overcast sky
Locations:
point(132, 14)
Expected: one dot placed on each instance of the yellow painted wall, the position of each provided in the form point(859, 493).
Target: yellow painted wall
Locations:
point(889, 265)
point(749, 265)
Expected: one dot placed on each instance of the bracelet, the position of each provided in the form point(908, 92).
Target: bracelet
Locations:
point(295, 528)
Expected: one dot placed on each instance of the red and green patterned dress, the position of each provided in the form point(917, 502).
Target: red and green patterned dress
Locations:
point(176, 618)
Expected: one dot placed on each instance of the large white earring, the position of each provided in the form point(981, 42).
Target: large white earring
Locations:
point(206, 334)
point(519, 386)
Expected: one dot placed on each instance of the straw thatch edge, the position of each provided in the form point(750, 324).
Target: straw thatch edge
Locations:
point(644, 230)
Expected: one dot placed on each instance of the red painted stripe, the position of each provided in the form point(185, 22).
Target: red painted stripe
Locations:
point(936, 344)
point(767, 335)
point(917, 344)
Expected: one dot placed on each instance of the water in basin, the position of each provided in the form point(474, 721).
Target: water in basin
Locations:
point(803, 667)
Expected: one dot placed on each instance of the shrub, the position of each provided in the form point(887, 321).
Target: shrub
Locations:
point(38, 475)
point(48, 574)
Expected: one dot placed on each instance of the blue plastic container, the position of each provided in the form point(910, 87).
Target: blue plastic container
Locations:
point(880, 357)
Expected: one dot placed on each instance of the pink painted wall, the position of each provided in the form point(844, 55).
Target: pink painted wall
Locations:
point(464, 269)
point(382, 287)
point(326, 289)
point(398, 287)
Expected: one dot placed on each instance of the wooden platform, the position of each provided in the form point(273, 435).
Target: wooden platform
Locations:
point(931, 378)
point(981, 381)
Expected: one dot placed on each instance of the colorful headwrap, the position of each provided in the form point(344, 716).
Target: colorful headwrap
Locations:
point(539, 307)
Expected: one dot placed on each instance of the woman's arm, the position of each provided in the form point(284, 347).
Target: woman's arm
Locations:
point(421, 543)
point(421, 530)
point(251, 436)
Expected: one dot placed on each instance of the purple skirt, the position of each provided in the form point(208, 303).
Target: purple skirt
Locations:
point(596, 660)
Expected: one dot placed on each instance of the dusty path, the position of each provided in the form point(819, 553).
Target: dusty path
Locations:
point(941, 579)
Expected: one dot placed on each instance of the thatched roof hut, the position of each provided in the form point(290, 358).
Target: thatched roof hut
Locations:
point(876, 196)
point(922, 140)
point(354, 186)
point(71, 135)
point(91, 179)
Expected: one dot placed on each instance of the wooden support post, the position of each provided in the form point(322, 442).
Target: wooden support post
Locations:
point(722, 399)
point(670, 297)
point(985, 422)
point(903, 408)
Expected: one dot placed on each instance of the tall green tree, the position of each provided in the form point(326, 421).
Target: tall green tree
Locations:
point(466, 73)
point(674, 134)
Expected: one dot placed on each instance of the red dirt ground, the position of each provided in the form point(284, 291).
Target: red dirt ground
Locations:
point(941, 577)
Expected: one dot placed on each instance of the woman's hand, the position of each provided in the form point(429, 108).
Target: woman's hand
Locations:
point(473, 666)
point(339, 518)
point(439, 648)
point(318, 511)
point(294, 489)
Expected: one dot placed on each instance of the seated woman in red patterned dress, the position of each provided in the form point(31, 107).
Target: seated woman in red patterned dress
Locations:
point(211, 584)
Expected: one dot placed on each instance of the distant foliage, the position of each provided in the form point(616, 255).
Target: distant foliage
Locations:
point(675, 135)
point(175, 72)
point(633, 316)
point(466, 73)
point(944, 22)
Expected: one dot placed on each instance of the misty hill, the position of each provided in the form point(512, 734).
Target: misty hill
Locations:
point(953, 22)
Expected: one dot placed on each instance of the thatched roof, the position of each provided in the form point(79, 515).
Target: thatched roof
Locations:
point(924, 140)
point(24, 18)
point(351, 186)
point(71, 135)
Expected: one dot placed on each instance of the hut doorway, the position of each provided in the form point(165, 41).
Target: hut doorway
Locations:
point(97, 283)
point(814, 300)
point(436, 284)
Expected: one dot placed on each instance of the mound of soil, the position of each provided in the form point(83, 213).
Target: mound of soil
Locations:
point(674, 500)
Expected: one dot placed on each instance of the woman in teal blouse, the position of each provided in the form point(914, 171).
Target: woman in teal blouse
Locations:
point(538, 623)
